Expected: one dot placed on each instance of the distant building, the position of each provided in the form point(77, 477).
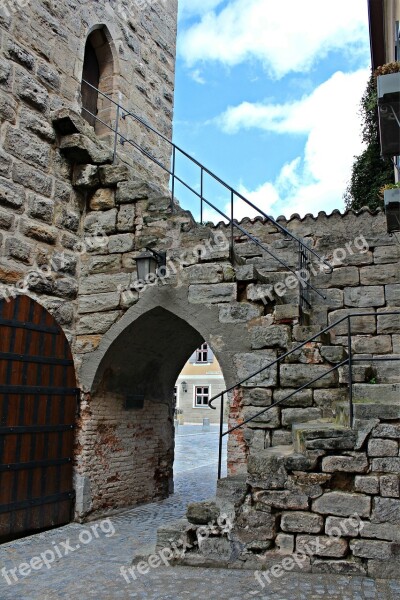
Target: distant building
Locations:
point(200, 380)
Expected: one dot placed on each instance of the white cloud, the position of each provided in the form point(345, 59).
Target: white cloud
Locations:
point(189, 8)
point(286, 36)
point(197, 77)
point(317, 180)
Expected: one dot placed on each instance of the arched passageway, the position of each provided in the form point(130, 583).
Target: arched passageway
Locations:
point(126, 443)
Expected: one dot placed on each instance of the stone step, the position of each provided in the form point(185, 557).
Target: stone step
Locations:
point(388, 410)
point(322, 434)
point(379, 392)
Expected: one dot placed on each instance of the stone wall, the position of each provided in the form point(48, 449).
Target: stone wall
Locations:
point(323, 509)
point(79, 222)
point(41, 59)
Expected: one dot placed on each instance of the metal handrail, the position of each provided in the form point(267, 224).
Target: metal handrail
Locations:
point(233, 223)
point(348, 361)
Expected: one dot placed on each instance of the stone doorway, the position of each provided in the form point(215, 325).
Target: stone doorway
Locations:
point(125, 451)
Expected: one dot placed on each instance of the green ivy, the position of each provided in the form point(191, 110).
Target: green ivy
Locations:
point(370, 172)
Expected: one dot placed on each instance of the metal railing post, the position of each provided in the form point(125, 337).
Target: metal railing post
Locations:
point(173, 178)
point(350, 351)
point(117, 128)
point(232, 225)
point(201, 193)
point(221, 429)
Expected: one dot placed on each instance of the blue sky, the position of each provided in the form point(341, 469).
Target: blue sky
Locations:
point(267, 96)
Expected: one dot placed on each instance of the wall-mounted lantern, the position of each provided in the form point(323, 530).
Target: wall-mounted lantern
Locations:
point(149, 263)
point(392, 209)
point(389, 113)
point(184, 387)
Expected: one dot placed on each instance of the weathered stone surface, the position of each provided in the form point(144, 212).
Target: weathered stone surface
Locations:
point(286, 312)
point(364, 296)
point(103, 199)
point(307, 483)
point(266, 471)
point(340, 277)
point(41, 208)
point(333, 354)
point(80, 149)
point(359, 325)
point(39, 232)
point(322, 545)
point(248, 363)
point(202, 513)
point(384, 531)
point(257, 397)
point(126, 218)
point(31, 178)
point(19, 250)
point(384, 430)
point(352, 462)
point(285, 543)
point(130, 191)
point(286, 500)
point(390, 486)
point(375, 393)
point(96, 323)
point(268, 420)
point(384, 569)
point(238, 312)
point(380, 344)
point(215, 548)
point(299, 415)
point(27, 147)
point(376, 275)
point(386, 465)
point(382, 448)
point(339, 567)
point(252, 525)
point(372, 549)
point(110, 175)
point(104, 282)
point(6, 220)
point(85, 176)
point(296, 375)
point(301, 522)
point(367, 485)
point(388, 323)
point(281, 437)
point(204, 273)
point(386, 510)
point(11, 195)
point(277, 336)
point(339, 527)
point(98, 302)
point(213, 294)
point(392, 293)
point(342, 504)
point(66, 287)
point(302, 399)
point(27, 88)
point(123, 242)
point(246, 273)
point(104, 221)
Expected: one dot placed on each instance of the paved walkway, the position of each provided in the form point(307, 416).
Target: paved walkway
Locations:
point(85, 561)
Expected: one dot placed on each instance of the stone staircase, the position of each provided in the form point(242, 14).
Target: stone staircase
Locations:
point(325, 497)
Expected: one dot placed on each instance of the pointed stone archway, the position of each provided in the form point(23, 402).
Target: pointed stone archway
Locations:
point(126, 439)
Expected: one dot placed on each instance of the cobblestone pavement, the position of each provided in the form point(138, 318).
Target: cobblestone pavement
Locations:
point(92, 570)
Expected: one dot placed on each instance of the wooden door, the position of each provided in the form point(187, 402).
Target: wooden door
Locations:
point(38, 402)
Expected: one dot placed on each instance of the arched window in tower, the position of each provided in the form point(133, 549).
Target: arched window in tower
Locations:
point(97, 79)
